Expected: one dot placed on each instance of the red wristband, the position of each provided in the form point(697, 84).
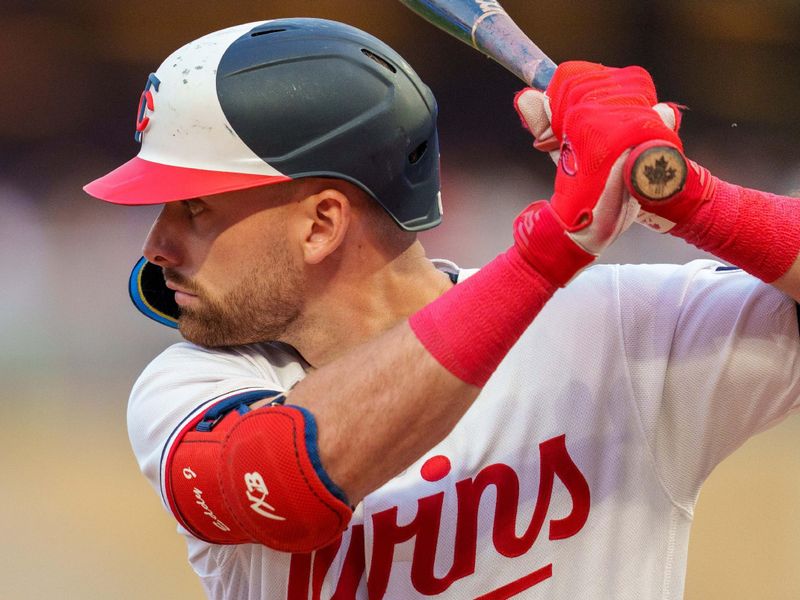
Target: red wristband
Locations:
point(471, 328)
point(757, 231)
point(542, 240)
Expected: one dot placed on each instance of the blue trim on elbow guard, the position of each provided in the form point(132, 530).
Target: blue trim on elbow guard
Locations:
point(239, 402)
point(313, 454)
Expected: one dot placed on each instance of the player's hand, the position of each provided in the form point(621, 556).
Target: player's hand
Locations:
point(542, 113)
point(663, 215)
point(598, 115)
point(575, 82)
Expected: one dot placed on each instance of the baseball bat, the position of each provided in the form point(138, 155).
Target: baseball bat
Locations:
point(654, 172)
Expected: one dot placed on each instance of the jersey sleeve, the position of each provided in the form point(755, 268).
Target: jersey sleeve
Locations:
point(713, 357)
point(185, 382)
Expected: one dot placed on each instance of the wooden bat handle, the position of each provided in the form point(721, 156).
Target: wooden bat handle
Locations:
point(655, 171)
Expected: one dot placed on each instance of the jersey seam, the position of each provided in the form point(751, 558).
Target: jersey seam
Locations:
point(634, 400)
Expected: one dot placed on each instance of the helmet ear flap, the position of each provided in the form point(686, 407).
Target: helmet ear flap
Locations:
point(150, 294)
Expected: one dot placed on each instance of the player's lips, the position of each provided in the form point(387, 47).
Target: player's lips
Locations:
point(182, 296)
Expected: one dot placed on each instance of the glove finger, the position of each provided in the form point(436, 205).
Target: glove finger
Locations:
point(533, 108)
point(632, 83)
point(670, 113)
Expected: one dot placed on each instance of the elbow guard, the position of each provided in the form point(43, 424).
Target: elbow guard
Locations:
point(238, 476)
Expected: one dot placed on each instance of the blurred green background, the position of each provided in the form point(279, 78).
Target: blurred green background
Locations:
point(78, 519)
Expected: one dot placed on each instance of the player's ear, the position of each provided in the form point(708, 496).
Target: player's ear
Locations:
point(325, 218)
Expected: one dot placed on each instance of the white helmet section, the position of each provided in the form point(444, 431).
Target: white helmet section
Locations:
point(187, 127)
point(188, 147)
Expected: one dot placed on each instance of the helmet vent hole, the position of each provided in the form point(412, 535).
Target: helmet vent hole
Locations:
point(417, 153)
point(265, 32)
point(381, 61)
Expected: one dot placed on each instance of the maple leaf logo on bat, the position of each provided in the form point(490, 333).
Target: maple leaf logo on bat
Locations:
point(660, 174)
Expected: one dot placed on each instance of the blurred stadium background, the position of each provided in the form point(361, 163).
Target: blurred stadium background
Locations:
point(78, 519)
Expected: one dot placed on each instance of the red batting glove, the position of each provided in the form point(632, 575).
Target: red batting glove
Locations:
point(579, 81)
point(598, 114)
point(757, 231)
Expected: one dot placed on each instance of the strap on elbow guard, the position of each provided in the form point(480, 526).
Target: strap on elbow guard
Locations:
point(256, 477)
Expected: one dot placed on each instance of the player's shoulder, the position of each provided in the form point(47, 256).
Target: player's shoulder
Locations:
point(641, 289)
point(255, 358)
point(646, 272)
point(692, 269)
point(613, 280)
point(185, 377)
point(698, 280)
point(664, 278)
point(700, 291)
point(187, 368)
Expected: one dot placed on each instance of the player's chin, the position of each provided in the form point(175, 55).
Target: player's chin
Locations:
point(202, 330)
point(211, 330)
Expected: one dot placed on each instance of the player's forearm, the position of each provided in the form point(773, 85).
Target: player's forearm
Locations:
point(754, 230)
point(380, 407)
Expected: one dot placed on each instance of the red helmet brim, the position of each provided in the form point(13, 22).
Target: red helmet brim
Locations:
point(140, 181)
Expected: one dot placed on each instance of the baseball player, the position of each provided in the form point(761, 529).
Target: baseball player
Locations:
point(348, 419)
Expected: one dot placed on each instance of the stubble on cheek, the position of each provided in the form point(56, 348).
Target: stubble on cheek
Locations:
point(259, 308)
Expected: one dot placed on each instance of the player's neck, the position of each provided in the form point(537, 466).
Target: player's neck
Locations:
point(371, 299)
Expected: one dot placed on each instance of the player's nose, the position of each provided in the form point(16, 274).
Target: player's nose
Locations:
point(162, 246)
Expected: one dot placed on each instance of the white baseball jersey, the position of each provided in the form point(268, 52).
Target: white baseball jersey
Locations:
point(573, 475)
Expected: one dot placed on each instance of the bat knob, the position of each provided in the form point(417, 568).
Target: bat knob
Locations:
point(655, 171)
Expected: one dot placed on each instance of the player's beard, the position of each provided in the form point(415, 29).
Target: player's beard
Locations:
point(260, 308)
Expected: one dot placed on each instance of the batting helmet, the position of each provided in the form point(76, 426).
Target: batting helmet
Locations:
point(274, 101)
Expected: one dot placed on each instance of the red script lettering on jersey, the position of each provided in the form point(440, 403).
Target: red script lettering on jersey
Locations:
point(555, 462)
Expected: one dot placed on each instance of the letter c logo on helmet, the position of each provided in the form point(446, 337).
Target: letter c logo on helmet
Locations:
point(146, 104)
